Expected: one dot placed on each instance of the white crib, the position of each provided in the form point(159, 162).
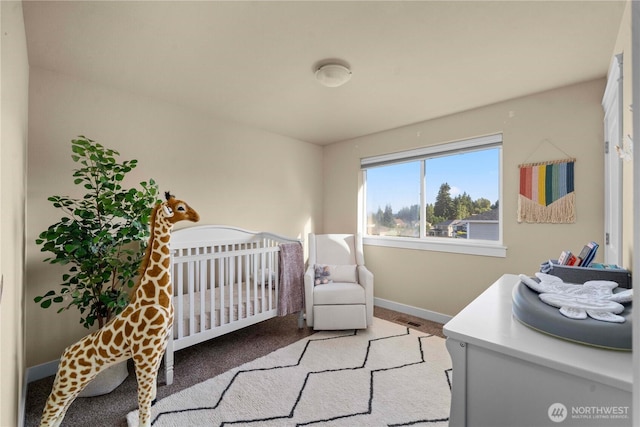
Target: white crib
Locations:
point(224, 278)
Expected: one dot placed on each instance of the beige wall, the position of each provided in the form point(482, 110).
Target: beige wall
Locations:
point(13, 120)
point(230, 174)
point(570, 118)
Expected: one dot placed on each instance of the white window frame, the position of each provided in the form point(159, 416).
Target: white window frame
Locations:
point(428, 243)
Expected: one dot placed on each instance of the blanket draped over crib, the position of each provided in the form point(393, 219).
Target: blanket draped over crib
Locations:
point(291, 295)
point(226, 278)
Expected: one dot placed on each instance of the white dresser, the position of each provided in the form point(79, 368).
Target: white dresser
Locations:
point(507, 374)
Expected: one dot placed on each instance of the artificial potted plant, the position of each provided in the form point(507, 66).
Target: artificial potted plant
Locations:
point(102, 237)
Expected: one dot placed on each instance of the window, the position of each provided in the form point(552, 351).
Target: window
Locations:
point(444, 197)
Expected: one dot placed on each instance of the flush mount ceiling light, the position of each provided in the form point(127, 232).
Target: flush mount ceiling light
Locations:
point(333, 75)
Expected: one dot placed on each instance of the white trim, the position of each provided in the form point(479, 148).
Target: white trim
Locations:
point(446, 148)
point(613, 129)
point(440, 244)
point(413, 311)
point(44, 370)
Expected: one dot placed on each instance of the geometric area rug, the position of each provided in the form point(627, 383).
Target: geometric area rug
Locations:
point(386, 375)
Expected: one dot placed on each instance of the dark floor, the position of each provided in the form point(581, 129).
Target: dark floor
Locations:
point(193, 365)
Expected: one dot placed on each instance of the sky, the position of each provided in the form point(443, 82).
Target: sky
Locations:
point(476, 173)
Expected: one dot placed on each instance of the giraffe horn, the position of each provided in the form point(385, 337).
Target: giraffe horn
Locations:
point(168, 195)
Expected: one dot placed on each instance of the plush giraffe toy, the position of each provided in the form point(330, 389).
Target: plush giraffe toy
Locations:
point(139, 332)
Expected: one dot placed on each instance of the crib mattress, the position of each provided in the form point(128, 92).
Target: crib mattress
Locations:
point(249, 306)
point(530, 310)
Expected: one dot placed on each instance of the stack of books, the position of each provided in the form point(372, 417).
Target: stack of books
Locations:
point(583, 259)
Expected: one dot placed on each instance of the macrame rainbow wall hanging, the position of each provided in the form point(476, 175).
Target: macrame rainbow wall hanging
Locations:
point(547, 193)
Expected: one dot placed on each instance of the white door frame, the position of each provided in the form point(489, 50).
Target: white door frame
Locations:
point(612, 104)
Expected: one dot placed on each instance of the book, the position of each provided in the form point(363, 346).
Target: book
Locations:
point(564, 257)
point(588, 259)
point(583, 254)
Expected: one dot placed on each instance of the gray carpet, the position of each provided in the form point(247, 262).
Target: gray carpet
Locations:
point(193, 365)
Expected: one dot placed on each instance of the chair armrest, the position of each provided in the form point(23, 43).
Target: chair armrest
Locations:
point(365, 278)
point(309, 279)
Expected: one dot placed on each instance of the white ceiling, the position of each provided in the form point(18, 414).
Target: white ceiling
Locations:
point(253, 62)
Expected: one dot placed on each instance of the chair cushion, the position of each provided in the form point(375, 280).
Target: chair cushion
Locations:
point(338, 293)
point(335, 273)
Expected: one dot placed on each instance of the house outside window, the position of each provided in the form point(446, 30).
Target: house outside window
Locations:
point(443, 197)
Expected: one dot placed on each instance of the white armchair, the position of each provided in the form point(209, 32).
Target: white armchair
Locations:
point(338, 286)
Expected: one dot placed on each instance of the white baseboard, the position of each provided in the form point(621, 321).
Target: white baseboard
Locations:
point(38, 372)
point(413, 311)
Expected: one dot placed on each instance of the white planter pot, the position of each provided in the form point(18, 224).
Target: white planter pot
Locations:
point(106, 381)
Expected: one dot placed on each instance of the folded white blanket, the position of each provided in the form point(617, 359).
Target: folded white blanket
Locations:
point(593, 299)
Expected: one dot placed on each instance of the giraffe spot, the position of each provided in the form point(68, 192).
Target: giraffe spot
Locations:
point(154, 331)
point(150, 291)
point(117, 325)
point(164, 300)
point(128, 329)
point(91, 353)
point(150, 313)
point(155, 271)
point(118, 339)
point(103, 352)
point(84, 362)
point(107, 335)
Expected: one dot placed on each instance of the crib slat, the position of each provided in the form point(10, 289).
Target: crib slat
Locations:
point(212, 291)
point(180, 289)
point(230, 279)
point(202, 288)
point(191, 283)
point(247, 260)
point(254, 301)
point(221, 275)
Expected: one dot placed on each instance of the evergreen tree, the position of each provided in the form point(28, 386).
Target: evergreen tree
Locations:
point(463, 206)
point(409, 214)
point(430, 216)
point(387, 217)
point(444, 205)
